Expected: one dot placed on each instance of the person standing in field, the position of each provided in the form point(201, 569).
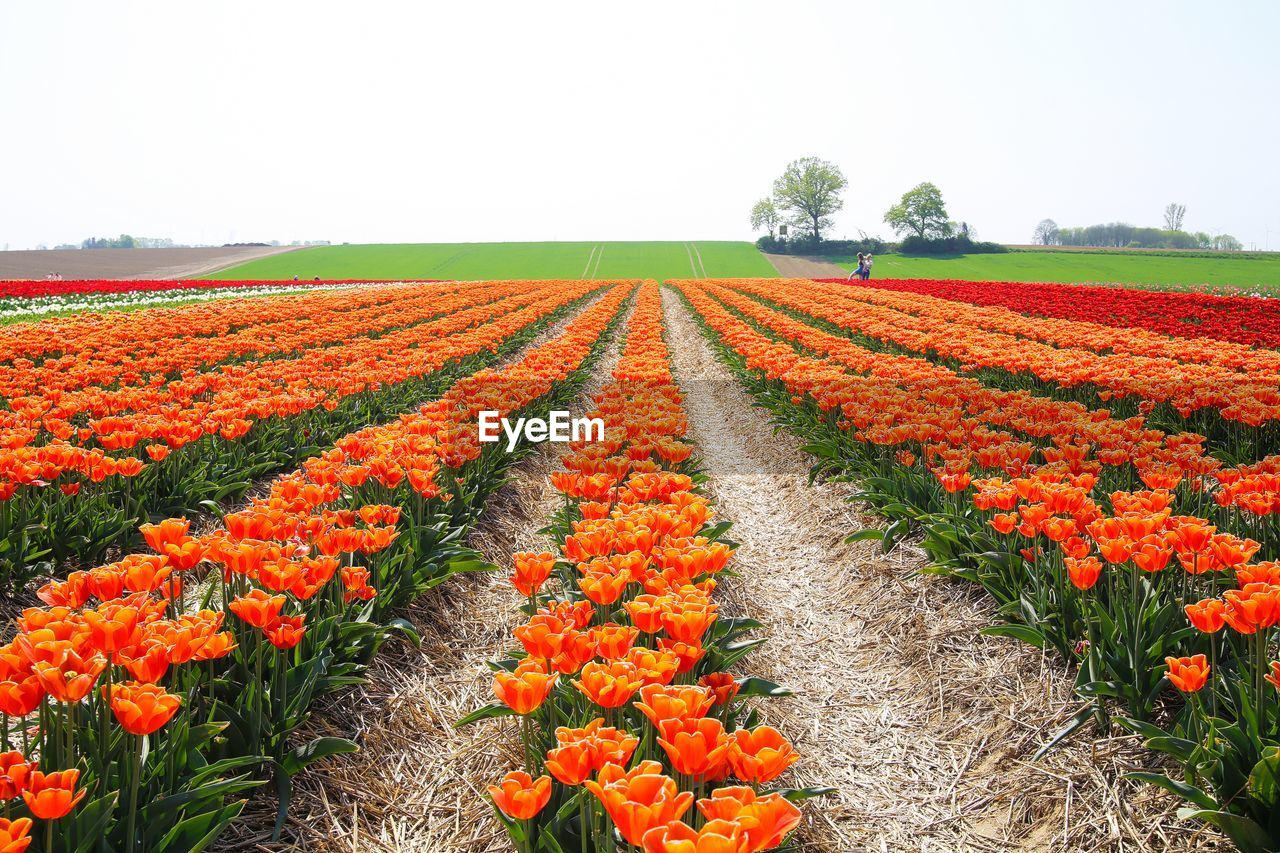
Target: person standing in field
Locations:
point(858, 271)
point(866, 266)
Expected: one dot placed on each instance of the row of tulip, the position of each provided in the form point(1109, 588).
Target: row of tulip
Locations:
point(627, 714)
point(1229, 403)
point(18, 308)
point(1244, 319)
point(24, 289)
point(1111, 578)
point(1158, 350)
point(205, 438)
point(160, 701)
point(1245, 497)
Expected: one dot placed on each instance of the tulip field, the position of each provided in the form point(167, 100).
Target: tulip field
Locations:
point(221, 508)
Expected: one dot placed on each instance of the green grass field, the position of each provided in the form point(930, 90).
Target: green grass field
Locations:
point(1262, 273)
point(475, 261)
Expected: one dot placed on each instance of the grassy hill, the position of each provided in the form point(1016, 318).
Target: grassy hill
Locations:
point(1254, 271)
point(474, 261)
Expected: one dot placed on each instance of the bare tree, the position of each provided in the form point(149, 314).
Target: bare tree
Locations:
point(1173, 216)
point(1047, 233)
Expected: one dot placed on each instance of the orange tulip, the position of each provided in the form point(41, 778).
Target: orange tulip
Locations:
point(640, 800)
point(571, 764)
point(171, 531)
point(723, 685)
point(1083, 573)
point(660, 702)
point(760, 755)
point(72, 678)
point(258, 608)
point(1208, 615)
point(523, 692)
point(715, 836)
point(612, 642)
point(50, 796)
point(142, 708)
point(609, 685)
point(520, 796)
point(19, 698)
point(767, 819)
point(285, 632)
point(1188, 674)
point(14, 770)
point(15, 835)
point(532, 571)
point(696, 746)
point(147, 662)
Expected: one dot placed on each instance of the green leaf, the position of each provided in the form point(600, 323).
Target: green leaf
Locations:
point(1025, 633)
point(322, 747)
point(488, 712)
point(1248, 835)
point(1079, 719)
point(1264, 781)
point(798, 795)
point(1187, 792)
point(754, 686)
point(404, 626)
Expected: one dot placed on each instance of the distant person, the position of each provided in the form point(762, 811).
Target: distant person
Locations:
point(295, 278)
point(858, 272)
point(866, 267)
point(317, 278)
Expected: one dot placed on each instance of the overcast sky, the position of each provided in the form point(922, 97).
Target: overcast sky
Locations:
point(424, 122)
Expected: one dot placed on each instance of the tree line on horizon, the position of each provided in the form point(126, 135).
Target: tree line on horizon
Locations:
point(1122, 235)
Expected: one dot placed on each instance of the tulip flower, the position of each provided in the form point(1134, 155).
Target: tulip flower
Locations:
point(532, 571)
point(523, 692)
point(15, 835)
point(520, 796)
point(715, 836)
point(142, 708)
point(1188, 674)
point(14, 770)
point(640, 800)
point(696, 746)
point(1084, 573)
point(1207, 615)
point(760, 755)
point(609, 685)
point(50, 796)
point(258, 608)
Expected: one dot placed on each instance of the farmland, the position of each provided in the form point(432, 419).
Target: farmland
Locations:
point(474, 261)
point(1016, 542)
point(1260, 272)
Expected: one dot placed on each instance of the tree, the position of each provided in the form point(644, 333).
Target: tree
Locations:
point(1173, 214)
point(921, 212)
point(1047, 233)
point(810, 190)
point(765, 215)
point(1227, 243)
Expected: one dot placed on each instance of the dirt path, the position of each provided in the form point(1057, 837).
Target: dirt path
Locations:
point(797, 266)
point(418, 784)
point(926, 727)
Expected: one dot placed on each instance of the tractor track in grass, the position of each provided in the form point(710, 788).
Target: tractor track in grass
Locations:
point(418, 784)
point(926, 727)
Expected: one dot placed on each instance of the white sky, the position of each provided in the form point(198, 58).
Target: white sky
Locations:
point(424, 122)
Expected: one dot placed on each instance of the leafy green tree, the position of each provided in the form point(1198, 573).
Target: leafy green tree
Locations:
point(810, 190)
point(765, 214)
point(921, 212)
